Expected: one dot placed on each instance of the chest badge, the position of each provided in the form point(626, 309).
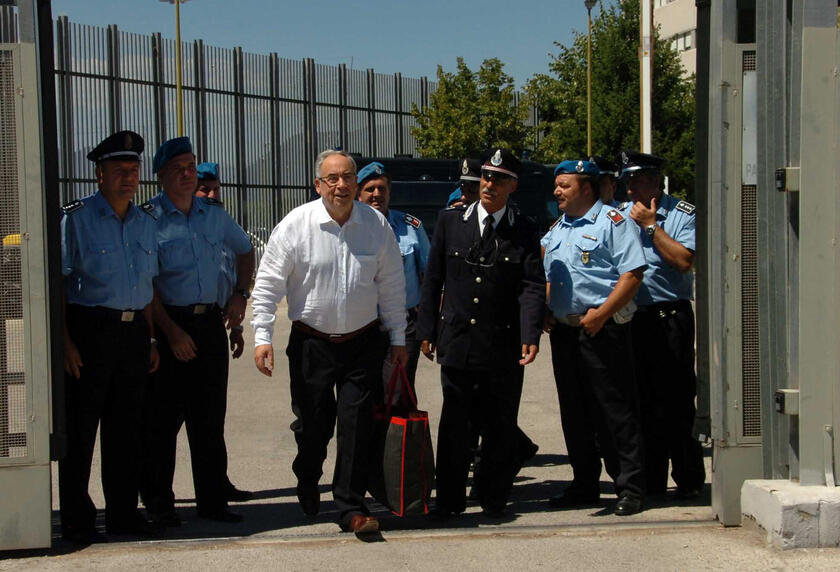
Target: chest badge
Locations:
point(584, 257)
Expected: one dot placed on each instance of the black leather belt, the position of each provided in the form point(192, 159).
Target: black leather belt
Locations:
point(334, 338)
point(665, 309)
point(107, 314)
point(192, 309)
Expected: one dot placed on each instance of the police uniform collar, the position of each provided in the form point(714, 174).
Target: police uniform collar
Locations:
point(169, 207)
point(498, 216)
point(394, 216)
point(591, 215)
point(104, 208)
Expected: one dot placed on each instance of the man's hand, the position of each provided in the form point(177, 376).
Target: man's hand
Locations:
point(72, 358)
point(593, 321)
point(644, 216)
point(264, 358)
point(234, 311)
point(428, 349)
point(237, 341)
point(399, 356)
point(549, 321)
point(154, 358)
point(529, 353)
point(183, 346)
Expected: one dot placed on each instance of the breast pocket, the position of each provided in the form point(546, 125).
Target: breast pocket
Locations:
point(212, 246)
point(364, 269)
point(102, 258)
point(588, 253)
point(456, 261)
point(145, 257)
point(176, 254)
point(407, 253)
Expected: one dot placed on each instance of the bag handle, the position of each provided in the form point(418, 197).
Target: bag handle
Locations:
point(407, 397)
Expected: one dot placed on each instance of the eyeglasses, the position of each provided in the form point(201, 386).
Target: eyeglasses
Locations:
point(332, 180)
point(495, 176)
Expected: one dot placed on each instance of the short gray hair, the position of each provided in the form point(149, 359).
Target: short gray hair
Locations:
point(322, 156)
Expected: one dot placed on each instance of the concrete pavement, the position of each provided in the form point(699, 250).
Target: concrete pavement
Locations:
point(276, 535)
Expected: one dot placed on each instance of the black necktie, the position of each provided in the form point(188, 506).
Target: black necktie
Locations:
point(488, 229)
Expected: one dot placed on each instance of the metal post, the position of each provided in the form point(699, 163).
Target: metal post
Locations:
point(424, 93)
point(239, 125)
point(159, 101)
point(371, 104)
point(342, 108)
point(113, 61)
point(398, 108)
point(589, 5)
point(178, 96)
point(65, 98)
point(200, 101)
point(646, 72)
point(274, 93)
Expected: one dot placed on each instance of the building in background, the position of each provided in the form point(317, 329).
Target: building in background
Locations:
point(677, 21)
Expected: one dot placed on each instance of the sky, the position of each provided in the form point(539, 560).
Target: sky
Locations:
point(388, 35)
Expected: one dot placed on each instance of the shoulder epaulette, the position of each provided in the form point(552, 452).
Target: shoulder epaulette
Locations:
point(615, 217)
point(149, 209)
point(214, 202)
point(413, 221)
point(686, 207)
point(72, 206)
point(623, 205)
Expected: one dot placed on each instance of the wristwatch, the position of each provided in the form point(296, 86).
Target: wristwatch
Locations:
point(650, 229)
point(244, 292)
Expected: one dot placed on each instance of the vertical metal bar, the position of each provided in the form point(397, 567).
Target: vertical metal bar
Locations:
point(239, 115)
point(66, 97)
point(200, 100)
point(399, 112)
point(313, 109)
point(371, 104)
point(307, 118)
point(159, 100)
point(342, 100)
point(274, 90)
point(113, 62)
point(424, 93)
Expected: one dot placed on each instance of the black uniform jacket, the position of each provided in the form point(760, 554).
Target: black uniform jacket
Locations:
point(494, 295)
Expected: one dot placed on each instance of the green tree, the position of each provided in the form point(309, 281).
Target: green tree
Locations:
point(561, 98)
point(469, 112)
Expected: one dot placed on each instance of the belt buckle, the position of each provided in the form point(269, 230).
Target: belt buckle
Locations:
point(199, 308)
point(127, 316)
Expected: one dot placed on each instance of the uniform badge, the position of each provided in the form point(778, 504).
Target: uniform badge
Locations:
point(579, 167)
point(72, 206)
point(378, 169)
point(584, 257)
point(496, 159)
point(624, 158)
point(685, 207)
point(149, 209)
point(589, 236)
point(413, 221)
point(615, 217)
point(465, 169)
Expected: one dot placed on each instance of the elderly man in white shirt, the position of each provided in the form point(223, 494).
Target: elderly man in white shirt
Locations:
point(338, 263)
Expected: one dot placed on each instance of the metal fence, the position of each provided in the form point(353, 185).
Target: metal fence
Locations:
point(263, 118)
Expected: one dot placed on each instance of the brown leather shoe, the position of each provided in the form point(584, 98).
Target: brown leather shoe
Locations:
point(362, 524)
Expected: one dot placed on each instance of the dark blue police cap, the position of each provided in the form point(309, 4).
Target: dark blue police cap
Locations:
point(371, 171)
point(208, 171)
point(169, 149)
point(471, 170)
point(578, 167)
point(635, 162)
point(121, 146)
point(501, 161)
point(606, 166)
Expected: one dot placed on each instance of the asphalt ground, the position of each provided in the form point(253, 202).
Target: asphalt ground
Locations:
point(667, 535)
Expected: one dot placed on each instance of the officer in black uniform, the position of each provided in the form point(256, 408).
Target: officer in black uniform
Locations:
point(663, 329)
point(109, 259)
point(487, 256)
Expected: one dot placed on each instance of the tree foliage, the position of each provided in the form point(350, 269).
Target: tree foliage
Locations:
point(561, 98)
point(469, 112)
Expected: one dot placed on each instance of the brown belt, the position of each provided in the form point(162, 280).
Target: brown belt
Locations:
point(334, 338)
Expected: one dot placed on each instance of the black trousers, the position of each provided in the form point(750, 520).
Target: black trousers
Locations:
point(110, 390)
point(663, 340)
point(195, 393)
point(599, 405)
point(336, 381)
point(486, 400)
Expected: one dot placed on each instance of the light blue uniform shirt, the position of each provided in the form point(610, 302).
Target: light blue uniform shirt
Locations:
point(585, 256)
point(414, 247)
point(227, 276)
point(663, 282)
point(190, 249)
point(107, 261)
